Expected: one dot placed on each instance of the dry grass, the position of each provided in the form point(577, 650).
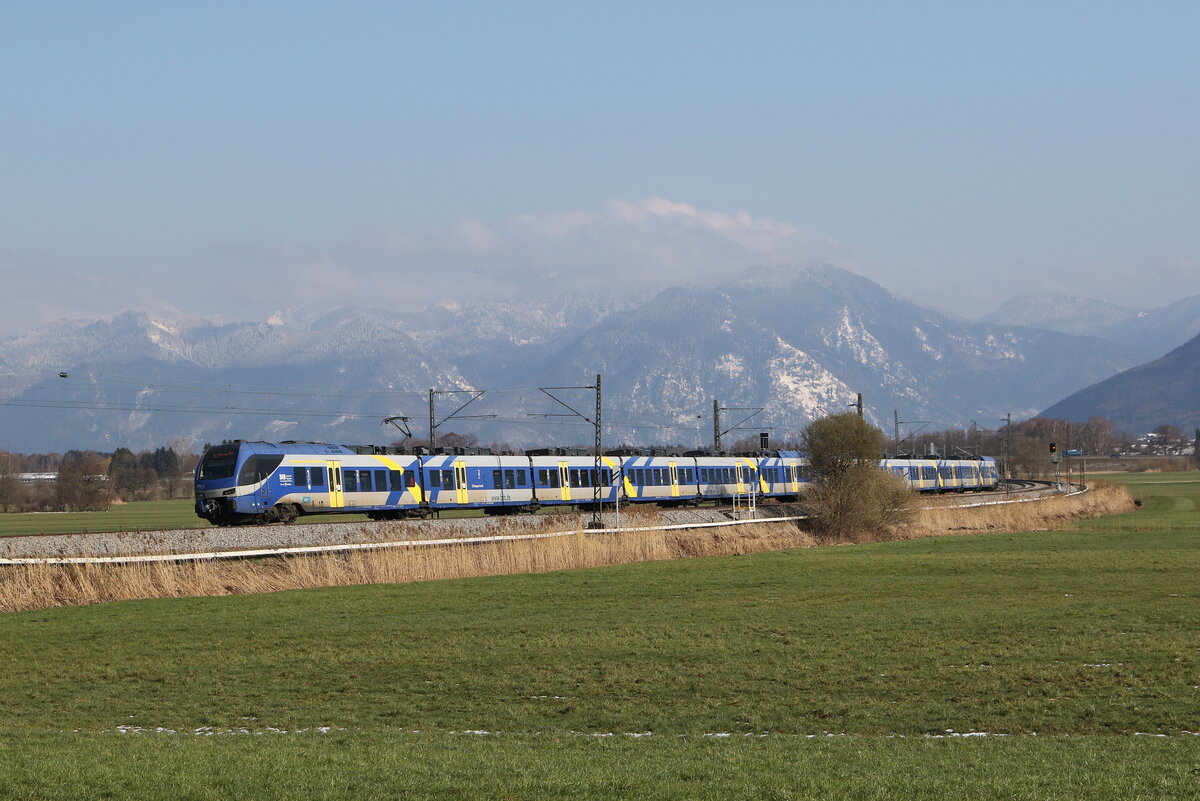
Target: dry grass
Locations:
point(28, 587)
point(1053, 513)
point(25, 587)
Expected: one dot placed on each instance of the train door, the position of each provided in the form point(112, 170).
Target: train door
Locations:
point(460, 483)
point(337, 498)
point(741, 479)
point(674, 480)
point(564, 481)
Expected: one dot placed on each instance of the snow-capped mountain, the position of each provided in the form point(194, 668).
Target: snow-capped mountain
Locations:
point(796, 343)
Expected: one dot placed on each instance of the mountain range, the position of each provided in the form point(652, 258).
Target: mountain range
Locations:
point(795, 343)
point(1166, 390)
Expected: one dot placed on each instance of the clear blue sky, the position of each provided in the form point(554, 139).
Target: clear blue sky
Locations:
point(239, 157)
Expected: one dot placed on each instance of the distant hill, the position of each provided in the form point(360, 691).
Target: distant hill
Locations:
point(1166, 390)
point(1148, 332)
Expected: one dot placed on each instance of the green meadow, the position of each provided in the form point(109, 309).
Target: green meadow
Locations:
point(139, 516)
point(1068, 659)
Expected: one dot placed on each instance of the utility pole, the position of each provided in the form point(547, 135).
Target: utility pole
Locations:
point(859, 405)
point(596, 522)
point(716, 425)
point(596, 494)
point(475, 394)
point(717, 430)
point(1008, 453)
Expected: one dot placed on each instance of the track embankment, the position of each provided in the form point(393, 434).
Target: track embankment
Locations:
point(214, 539)
point(548, 543)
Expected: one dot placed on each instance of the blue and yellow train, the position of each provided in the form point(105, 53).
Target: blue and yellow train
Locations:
point(263, 482)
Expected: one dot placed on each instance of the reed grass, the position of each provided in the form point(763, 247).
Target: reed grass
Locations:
point(1054, 513)
point(28, 587)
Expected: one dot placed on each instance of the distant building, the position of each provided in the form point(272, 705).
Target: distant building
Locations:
point(37, 478)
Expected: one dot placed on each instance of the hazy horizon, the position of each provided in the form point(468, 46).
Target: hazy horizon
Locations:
point(233, 159)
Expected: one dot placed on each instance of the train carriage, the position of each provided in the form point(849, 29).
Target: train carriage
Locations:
point(783, 475)
point(267, 482)
point(571, 480)
point(261, 482)
point(662, 479)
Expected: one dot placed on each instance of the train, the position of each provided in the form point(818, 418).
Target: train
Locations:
point(264, 482)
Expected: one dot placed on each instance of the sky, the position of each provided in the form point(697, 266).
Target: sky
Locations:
point(233, 159)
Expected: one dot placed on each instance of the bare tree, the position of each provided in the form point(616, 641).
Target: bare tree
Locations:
point(850, 496)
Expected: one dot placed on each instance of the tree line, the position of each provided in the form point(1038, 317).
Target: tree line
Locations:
point(92, 480)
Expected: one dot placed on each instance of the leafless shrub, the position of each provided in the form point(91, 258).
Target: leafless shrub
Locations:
point(863, 504)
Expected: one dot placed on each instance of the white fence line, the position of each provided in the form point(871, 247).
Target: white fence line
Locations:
point(1037, 497)
point(361, 546)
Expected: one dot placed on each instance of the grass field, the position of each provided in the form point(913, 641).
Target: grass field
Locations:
point(824, 672)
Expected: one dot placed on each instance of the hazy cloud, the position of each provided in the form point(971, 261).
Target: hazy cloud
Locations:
point(625, 247)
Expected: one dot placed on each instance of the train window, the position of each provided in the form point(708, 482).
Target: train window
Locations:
point(395, 480)
point(364, 481)
point(351, 482)
point(257, 468)
point(435, 479)
point(300, 476)
point(606, 476)
point(218, 464)
point(521, 482)
point(497, 479)
point(381, 481)
point(554, 479)
point(543, 477)
point(510, 479)
point(703, 475)
point(595, 479)
point(317, 476)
